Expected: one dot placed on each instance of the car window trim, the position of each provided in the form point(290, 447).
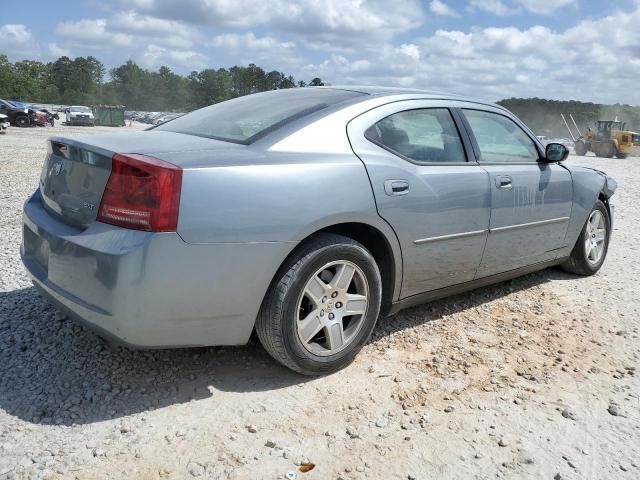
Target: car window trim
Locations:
point(476, 147)
point(465, 146)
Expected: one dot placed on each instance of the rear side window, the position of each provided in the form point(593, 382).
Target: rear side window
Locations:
point(425, 135)
point(500, 139)
point(246, 119)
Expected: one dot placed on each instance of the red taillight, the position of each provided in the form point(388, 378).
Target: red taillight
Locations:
point(142, 193)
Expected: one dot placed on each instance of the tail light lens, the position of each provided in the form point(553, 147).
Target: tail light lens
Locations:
point(142, 193)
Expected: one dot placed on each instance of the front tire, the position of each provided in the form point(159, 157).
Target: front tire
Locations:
point(22, 121)
point(606, 150)
point(592, 245)
point(322, 306)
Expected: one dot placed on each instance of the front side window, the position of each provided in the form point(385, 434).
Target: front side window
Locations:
point(500, 139)
point(425, 136)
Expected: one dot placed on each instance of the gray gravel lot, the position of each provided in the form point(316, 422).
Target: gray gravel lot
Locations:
point(533, 378)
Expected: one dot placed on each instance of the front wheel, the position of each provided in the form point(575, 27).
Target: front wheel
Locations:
point(606, 150)
point(592, 245)
point(581, 148)
point(22, 121)
point(322, 306)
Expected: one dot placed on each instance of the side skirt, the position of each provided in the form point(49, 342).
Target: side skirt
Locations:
point(472, 285)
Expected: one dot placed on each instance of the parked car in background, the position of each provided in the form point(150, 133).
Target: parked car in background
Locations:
point(51, 117)
point(304, 215)
point(4, 123)
point(18, 116)
point(153, 117)
point(79, 115)
point(166, 118)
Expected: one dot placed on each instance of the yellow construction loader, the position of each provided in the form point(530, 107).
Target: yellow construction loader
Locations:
point(609, 138)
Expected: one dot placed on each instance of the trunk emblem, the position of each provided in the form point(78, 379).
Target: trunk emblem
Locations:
point(57, 168)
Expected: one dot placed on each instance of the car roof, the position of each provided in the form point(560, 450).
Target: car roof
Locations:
point(382, 91)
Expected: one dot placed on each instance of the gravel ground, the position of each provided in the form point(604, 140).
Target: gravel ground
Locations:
point(533, 378)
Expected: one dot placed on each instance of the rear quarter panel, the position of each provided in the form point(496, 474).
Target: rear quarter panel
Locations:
point(279, 197)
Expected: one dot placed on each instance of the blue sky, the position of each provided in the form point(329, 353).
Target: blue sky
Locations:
point(488, 48)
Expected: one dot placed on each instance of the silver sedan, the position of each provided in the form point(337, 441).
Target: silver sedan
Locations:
point(305, 215)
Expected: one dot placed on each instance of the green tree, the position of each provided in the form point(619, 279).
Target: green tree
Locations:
point(209, 86)
point(129, 84)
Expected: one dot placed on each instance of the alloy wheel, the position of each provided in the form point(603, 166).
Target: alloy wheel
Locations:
point(595, 236)
point(332, 308)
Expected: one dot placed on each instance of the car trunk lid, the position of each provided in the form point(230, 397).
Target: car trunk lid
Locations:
point(76, 170)
point(72, 181)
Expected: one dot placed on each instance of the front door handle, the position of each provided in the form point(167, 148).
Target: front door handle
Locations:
point(396, 187)
point(503, 181)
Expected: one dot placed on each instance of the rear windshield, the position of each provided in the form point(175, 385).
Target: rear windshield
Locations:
point(245, 119)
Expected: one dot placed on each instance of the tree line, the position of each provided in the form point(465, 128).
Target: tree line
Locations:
point(81, 81)
point(543, 116)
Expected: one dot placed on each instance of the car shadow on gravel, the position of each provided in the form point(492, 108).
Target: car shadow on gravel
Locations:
point(54, 371)
point(432, 311)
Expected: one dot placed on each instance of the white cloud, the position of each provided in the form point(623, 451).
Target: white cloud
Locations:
point(513, 7)
point(494, 63)
point(16, 33)
point(57, 51)
point(155, 56)
point(337, 21)
point(249, 41)
point(167, 32)
point(93, 33)
point(128, 29)
point(440, 8)
point(17, 40)
point(411, 50)
point(545, 7)
point(497, 7)
point(391, 66)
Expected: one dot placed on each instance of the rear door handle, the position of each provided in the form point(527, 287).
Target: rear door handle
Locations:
point(396, 187)
point(503, 181)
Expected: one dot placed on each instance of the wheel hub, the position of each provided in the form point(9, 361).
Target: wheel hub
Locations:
point(332, 308)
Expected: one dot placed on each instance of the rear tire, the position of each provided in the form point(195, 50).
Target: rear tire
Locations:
point(581, 148)
point(308, 295)
point(584, 260)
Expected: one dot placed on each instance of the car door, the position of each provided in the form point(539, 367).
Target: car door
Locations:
point(530, 200)
point(436, 201)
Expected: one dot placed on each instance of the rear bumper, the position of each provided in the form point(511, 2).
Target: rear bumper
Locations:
point(147, 290)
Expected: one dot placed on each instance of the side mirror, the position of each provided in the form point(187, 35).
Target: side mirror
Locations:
point(555, 152)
